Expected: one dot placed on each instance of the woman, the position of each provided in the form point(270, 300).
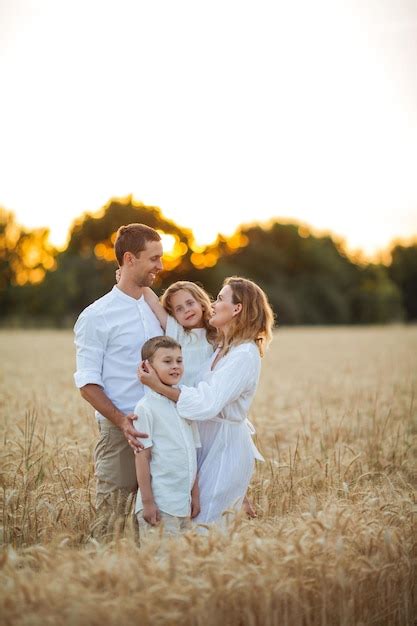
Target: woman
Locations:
point(221, 401)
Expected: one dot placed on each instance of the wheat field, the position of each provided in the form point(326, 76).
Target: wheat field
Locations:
point(335, 540)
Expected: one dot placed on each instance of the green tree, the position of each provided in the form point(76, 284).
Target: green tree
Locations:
point(25, 258)
point(307, 278)
point(86, 269)
point(376, 298)
point(403, 271)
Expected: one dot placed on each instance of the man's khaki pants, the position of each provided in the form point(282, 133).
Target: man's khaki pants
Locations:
point(115, 473)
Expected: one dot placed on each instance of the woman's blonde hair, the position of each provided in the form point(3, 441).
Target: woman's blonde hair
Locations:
point(256, 319)
point(200, 296)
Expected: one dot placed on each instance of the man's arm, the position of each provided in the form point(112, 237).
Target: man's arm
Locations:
point(143, 475)
point(94, 394)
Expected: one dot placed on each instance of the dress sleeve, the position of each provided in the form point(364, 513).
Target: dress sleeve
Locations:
point(144, 424)
point(238, 374)
point(91, 337)
point(174, 330)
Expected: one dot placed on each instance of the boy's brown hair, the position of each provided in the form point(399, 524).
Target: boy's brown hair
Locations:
point(152, 345)
point(133, 238)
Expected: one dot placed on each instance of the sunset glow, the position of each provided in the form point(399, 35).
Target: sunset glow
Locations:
point(219, 114)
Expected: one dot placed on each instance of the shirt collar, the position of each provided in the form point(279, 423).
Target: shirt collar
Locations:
point(155, 394)
point(198, 331)
point(124, 296)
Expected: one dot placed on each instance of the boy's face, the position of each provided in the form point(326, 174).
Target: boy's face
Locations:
point(167, 363)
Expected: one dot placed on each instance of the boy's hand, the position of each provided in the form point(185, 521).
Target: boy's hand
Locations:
point(151, 513)
point(195, 499)
point(195, 505)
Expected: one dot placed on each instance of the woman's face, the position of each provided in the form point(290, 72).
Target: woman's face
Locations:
point(223, 309)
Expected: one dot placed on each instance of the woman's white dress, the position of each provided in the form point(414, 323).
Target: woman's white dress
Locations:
point(220, 403)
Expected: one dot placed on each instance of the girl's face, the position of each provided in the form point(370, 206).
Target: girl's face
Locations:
point(223, 309)
point(186, 309)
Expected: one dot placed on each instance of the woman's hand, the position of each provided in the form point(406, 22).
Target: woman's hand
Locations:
point(148, 376)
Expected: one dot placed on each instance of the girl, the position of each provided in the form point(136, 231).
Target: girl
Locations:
point(220, 402)
point(184, 313)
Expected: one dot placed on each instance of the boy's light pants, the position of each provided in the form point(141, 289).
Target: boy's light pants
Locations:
point(170, 525)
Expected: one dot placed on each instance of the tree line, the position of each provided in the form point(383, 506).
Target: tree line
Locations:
point(309, 279)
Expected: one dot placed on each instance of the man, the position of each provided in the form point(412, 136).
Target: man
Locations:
point(109, 335)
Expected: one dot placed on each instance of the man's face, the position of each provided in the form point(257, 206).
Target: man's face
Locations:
point(147, 264)
point(167, 363)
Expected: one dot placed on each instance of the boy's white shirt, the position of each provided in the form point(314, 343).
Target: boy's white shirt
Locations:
point(173, 464)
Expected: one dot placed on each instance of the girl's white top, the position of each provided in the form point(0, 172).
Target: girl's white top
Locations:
point(220, 403)
point(196, 350)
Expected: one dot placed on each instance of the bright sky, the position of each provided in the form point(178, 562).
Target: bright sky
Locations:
point(219, 112)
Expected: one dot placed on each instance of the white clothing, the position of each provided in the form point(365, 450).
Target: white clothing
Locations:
point(173, 465)
point(171, 526)
point(220, 403)
point(109, 335)
point(196, 350)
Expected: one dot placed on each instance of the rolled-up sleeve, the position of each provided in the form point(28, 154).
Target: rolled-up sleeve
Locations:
point(91, 336)
point(239, 373)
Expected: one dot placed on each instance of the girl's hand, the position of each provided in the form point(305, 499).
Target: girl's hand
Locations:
point(148, 376)
point(118, 274)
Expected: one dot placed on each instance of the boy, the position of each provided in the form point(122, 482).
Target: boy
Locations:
point(166, 468)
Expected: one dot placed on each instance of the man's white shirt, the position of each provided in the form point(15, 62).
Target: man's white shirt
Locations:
point(173, 465)
point(109, 335)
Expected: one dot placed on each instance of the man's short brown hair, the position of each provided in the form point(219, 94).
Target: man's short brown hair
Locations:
point(151, 346)
point(133, 238)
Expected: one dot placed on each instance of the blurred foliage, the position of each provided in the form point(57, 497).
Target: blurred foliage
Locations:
point(403, 271)
point(309, 279)
point(25, 257)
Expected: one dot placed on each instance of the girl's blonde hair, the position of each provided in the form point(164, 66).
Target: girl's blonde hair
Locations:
point(200, 296)
point(256, 319)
